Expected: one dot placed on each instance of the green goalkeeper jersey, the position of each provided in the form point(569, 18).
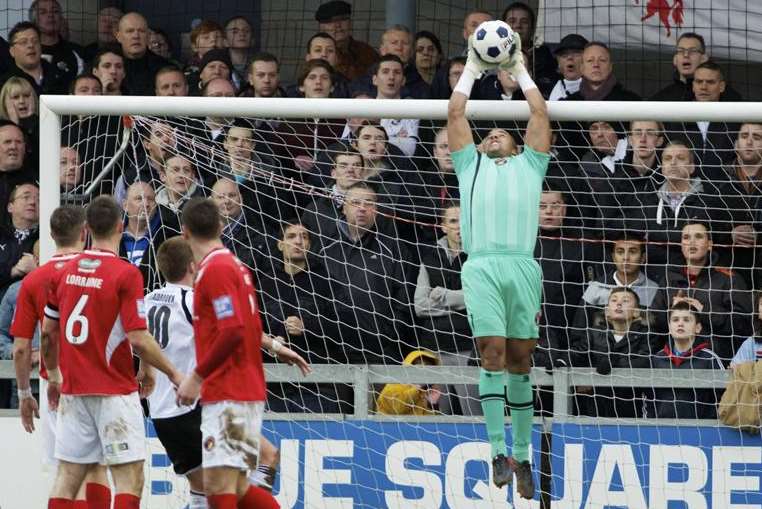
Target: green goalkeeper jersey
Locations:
point(499, 200)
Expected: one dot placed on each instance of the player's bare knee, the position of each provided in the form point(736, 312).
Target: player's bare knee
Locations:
point(492, 351)
point(97, 474)
point(69, 477)
point(129, 478)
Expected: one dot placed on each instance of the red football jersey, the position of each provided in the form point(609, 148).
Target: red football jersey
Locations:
point(32, 297)
point(97, 298)
point(224, 297)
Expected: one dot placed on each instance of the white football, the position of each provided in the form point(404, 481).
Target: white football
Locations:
point(493, 41)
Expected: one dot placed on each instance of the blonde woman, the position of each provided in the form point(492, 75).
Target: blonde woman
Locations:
point(18, 100)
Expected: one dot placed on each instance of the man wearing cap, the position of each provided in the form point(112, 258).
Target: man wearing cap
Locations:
point(216, 63)
point(353, 58)
point(569, 57)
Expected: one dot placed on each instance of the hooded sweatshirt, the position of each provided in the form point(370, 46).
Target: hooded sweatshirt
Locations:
point(407, 399)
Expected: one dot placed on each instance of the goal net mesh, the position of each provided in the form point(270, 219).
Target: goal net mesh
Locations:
point(353, 274)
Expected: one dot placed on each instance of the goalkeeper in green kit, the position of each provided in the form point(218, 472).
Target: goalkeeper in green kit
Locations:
point(502, 283)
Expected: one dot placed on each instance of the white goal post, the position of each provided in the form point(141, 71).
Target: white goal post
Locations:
point(52, 107)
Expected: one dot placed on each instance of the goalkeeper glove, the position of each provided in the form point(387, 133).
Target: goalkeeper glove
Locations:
point(475, 65)
point(516, 60)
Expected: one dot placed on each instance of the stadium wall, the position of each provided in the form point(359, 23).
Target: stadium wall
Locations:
point(370, 463)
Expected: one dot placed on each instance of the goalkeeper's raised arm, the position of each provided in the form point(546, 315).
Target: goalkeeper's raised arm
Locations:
point(538, 134)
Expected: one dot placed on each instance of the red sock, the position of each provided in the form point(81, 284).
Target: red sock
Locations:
point(258, 498)
point(98, 496)
point(126, 501)
point(222, 501)
point(60, 503)
point(81, 504)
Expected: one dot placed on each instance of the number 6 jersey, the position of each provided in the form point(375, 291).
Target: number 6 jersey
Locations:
point(169, 311)
point(97, 299)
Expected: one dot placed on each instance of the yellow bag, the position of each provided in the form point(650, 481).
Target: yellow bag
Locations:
point(741, 404)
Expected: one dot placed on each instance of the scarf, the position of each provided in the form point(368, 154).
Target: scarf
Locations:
point(586, 89)
point(677, 359)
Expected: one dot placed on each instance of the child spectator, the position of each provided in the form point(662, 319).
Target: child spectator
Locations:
point(683, 351)
point(410, 399)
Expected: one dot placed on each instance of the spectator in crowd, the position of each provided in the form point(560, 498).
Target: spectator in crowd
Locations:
point(389, 79)
point(565, 264)
point(159, 43)
point(397, 40)
point(472, 21)
point(204, 37)
point(210, 130)
point(244, 231)
point(712, 142)
point(146, 226)
point(622, 341)
point(13, 170)
point(685, 351)
point(140, 64)
point(86, 84)
point(238, 40)
point(569, 59)
point(301, 140)
point(19, 234)
point(540, 62)
point(8, 388)
point(180, 183)
point(690, 52)
point(264, 77)
point(354, 57)
point(215, 64)
point(108, 67)
point(18, 103)
point(321, 215)
point(372, 300)
point(247, 160)
point(742, 192)
point(71, 170)
point(108, 25)
point(170, 82)
point(322, 46)
point(66, 56)
point(598, 80)
point(682, 196)
point(441, 310)
point(296, 304)
point(428, 56)
point(411, 399)
point(441, 184)
point(751, 349)
point(717, 293)
point(628, 254)
point(26, 52)
point(384, 163)
point(139, 207)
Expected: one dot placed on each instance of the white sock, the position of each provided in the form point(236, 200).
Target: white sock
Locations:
point(198, 501)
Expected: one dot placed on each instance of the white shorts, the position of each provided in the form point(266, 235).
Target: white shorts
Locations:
point(100, 429)
point(230, 434)
point(48, 427)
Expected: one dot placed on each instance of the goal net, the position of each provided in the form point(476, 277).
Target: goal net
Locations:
point(347, 212)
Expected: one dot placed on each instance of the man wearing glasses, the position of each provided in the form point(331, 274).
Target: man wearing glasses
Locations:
point(689, 54)
point(26, 51)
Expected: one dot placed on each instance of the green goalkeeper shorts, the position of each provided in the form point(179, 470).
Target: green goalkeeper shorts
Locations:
point(502, 294)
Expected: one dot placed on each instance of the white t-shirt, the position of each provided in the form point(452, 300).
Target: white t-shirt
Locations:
point(169, 312)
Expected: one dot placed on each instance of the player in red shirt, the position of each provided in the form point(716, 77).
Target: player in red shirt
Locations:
point(67, 228)
point(229, 375)
point(95, 320)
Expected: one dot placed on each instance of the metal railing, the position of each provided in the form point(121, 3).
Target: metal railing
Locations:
point(562, 381)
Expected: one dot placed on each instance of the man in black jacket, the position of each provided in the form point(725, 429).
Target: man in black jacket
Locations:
point(296, 304)
point(26, 51)
point(19, 235)
point(717, 293)
point(13, 159)
point(689, 54)
point(369, 284)
point(140, 63)
point(684, 351)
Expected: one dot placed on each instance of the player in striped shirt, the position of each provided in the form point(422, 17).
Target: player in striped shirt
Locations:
point(502, 283)
point(67, 228)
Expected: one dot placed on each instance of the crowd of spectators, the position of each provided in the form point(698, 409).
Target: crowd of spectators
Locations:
point(648, 231)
